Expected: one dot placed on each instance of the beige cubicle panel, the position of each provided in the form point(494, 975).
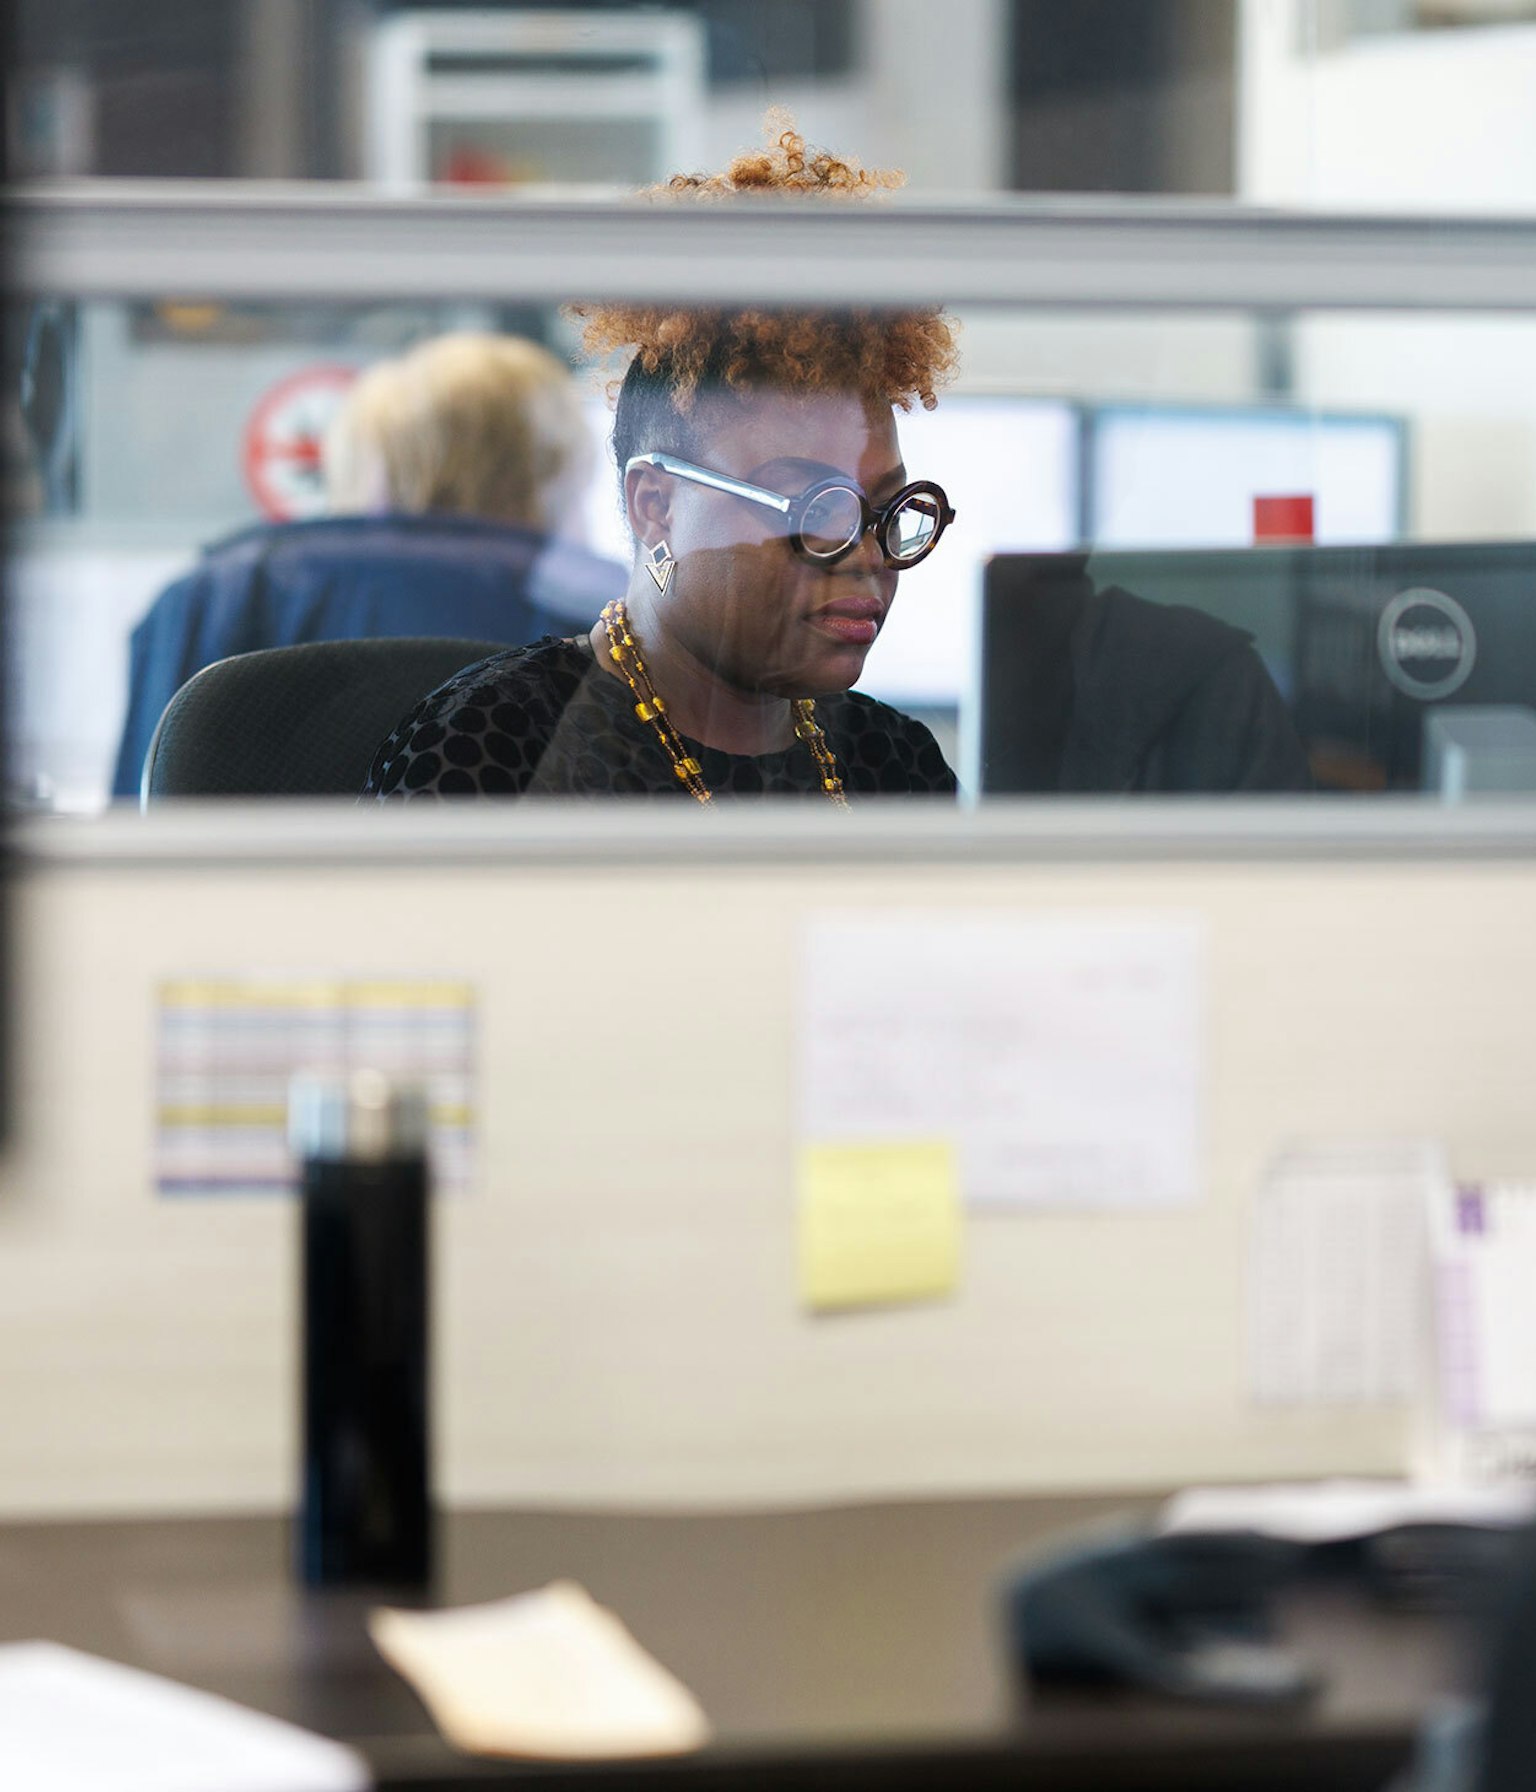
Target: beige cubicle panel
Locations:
point(617, 1319)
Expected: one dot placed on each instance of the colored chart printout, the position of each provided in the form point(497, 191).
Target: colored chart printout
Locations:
point(227, 1049)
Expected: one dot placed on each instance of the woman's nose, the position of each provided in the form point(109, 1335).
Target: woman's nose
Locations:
point(865, 554)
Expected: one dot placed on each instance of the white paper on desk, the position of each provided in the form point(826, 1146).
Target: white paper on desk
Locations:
point(1061, 1054)
point(1329, 1511)
point(1339, 1290)
point(75, 1723)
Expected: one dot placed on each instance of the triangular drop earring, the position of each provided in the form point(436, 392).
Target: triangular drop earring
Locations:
point(660, 565)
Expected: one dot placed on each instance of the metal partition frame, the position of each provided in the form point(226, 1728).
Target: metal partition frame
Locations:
point(1196, 830)
point(231, 240)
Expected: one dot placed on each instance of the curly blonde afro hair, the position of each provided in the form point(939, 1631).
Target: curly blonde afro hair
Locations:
point(899, 357)
point(784, 165)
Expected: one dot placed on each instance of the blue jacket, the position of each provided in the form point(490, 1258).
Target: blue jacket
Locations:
point(343, 578)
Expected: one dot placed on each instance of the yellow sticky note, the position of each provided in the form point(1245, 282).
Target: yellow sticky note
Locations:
point(878, 1223)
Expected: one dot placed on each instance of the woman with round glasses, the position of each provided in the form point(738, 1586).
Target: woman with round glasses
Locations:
point(763, 482)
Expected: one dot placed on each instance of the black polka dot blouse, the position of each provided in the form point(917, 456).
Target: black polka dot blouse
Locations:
point(548, 720)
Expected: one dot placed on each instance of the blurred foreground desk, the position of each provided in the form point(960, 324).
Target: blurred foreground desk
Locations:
point(851, 1646)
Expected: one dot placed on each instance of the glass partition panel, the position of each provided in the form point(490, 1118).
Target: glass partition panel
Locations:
point(1124, 551)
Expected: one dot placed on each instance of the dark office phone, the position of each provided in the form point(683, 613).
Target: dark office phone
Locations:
point(1190, 1615)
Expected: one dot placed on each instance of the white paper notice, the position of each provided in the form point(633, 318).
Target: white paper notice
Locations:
point(1484, 1245)
point(1340, 1304)
point(1061, 1055)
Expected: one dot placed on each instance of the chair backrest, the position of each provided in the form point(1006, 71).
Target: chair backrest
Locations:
point(1508, 1755)
point(294, 721)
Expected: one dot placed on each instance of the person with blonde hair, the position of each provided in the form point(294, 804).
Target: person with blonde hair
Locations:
point(455, 474)
point(463, 425)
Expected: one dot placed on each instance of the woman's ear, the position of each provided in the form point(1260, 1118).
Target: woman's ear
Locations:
point(648, 504)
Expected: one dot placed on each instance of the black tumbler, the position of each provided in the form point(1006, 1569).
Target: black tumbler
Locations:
point(365, 1509)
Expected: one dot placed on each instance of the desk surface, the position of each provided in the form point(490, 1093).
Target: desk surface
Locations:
point(862, 1636)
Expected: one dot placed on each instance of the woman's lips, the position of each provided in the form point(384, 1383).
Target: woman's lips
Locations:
point(854, 622)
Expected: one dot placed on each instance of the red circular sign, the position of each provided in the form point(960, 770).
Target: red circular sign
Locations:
point(282, 440)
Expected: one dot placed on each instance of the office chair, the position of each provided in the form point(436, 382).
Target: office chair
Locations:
point(294, 721)
point(1509, 1742)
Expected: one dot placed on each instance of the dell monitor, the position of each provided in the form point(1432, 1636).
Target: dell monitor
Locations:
point(1363, 645)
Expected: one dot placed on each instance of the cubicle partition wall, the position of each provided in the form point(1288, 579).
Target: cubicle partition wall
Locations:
point(619, 1311)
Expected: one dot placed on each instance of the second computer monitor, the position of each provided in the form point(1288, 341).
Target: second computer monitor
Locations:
point(1190, 475)
point(1363, 644)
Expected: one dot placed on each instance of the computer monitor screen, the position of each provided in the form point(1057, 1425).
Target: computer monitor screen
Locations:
point(1177, 477)
point(1362, 644)
point(1010, 468)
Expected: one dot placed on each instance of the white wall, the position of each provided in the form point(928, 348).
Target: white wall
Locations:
point(1152, 356)
point(1438, 121)
point(927, 96)
point(1468, 387)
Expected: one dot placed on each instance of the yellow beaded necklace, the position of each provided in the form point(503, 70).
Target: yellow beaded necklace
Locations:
point(651, 708)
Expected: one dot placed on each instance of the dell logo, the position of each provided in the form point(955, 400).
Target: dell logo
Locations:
point(1427, 644)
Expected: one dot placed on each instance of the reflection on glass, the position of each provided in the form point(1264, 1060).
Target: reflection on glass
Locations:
point(1401, 668)
point(1211, 464)
point(1149, 441)
point(772, 514)
point(197, 479)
